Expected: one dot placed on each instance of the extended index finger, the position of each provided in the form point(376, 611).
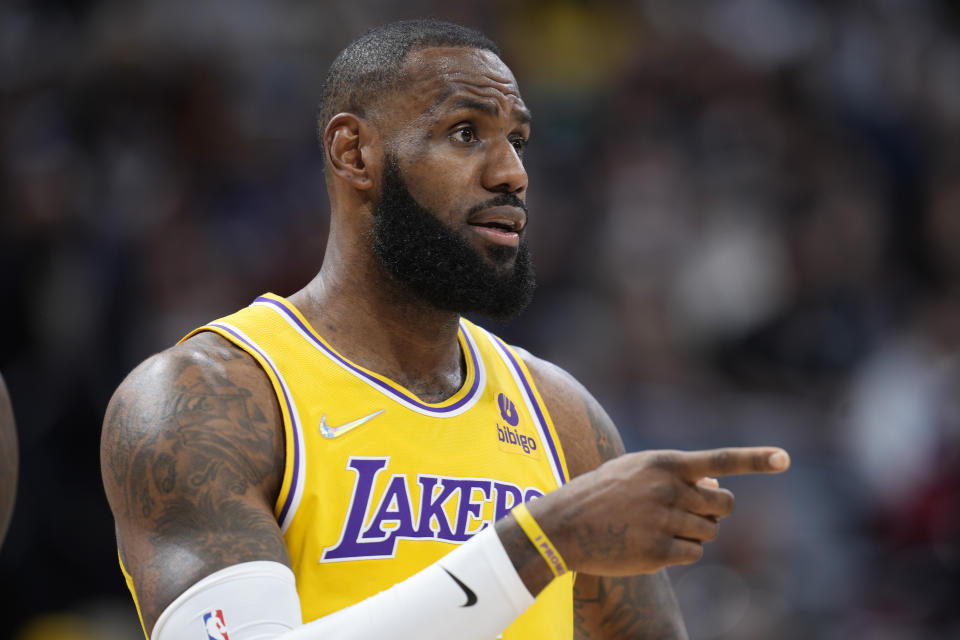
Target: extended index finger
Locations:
point(733, 460)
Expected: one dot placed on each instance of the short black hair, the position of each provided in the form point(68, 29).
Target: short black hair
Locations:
point(370, 65)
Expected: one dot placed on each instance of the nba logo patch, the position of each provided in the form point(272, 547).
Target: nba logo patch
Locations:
point(214, 625)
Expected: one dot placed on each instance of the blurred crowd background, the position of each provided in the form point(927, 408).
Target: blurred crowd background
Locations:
point(745, 217)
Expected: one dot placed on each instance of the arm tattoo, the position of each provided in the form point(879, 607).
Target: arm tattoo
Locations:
point(642, 606)
point(194, 463)
point(628, 607)
point(608, 441)
point(604, 608)
point(608, 545)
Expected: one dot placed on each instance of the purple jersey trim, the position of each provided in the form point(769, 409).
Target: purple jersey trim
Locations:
point(380, 384)
point(536, 407)
point(290, 412)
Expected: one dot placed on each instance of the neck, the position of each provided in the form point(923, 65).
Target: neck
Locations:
point(373, 321)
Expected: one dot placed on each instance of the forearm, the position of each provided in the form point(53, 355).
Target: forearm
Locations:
point(529, 565)
point(473, 593)
point(632, 607)
point(635, 607)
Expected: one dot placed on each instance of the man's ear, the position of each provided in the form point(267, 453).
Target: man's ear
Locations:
point(351, 148)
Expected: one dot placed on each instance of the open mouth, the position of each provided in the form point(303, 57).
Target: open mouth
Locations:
point(505, 226)
point(504, 220)
point(498, 233)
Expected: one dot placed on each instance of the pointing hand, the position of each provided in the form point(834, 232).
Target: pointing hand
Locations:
point(643, 511)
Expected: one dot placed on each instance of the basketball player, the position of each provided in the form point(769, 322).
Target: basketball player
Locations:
point(360, 457)
point(8, 461)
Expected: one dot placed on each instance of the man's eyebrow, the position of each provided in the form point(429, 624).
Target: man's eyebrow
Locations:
point(520, 113)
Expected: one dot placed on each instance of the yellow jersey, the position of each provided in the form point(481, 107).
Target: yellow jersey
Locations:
point(379, 484)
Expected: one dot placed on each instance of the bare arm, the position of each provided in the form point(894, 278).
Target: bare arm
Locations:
point(9, 461)
point(192, 460)
point(640, 606)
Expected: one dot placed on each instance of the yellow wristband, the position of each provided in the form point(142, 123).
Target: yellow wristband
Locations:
point(539, 540)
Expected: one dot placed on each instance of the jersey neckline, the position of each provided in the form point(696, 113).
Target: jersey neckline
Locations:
point(465, 397)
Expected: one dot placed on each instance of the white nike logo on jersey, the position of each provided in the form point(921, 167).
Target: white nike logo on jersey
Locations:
point(332, 432)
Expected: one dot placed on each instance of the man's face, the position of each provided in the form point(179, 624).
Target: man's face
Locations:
point(450, 218)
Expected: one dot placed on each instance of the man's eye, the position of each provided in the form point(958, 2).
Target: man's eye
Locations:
point(520, 144)
point(465, 134)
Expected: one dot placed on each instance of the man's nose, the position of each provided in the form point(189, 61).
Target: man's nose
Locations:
point(504, 172)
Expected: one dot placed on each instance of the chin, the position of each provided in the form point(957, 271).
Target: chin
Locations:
point(502, 258)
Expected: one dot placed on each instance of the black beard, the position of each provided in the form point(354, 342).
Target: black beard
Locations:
point(440, 267)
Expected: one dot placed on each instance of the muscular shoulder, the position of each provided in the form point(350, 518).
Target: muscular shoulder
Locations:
point(200, 378)
point(205, 358)
point(196, 396)
point(588, 436)
point(192, 461)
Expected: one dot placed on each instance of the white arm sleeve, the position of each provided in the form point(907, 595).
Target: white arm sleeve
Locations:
point(253, 600)
point(473, 593)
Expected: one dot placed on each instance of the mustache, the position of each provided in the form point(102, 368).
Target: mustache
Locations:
point(502, 200)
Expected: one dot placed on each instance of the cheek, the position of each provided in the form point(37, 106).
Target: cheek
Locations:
point(439, 188)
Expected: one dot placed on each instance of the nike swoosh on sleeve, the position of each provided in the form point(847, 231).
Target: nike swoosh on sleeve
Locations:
point(471, 596)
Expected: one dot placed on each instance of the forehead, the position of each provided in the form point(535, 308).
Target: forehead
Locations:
point(439, 76)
